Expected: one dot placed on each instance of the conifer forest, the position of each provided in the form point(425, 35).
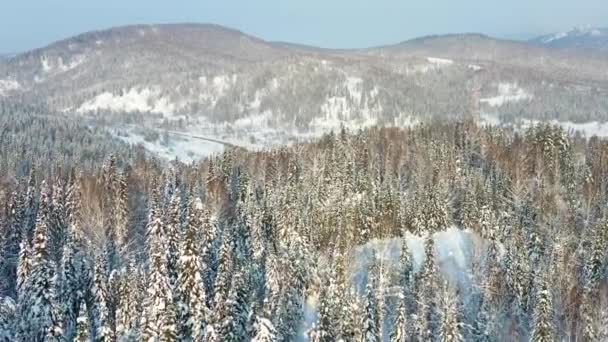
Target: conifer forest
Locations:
point(444, 232)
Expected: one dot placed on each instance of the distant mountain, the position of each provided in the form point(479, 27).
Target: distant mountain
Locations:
point(215, 80)
point(580, 38)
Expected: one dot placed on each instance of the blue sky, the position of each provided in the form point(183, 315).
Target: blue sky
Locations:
point(27, 24)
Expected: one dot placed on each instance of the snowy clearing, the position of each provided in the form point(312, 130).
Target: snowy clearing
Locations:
point(507, 92)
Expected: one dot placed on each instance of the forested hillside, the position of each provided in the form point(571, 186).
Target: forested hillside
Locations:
point(291, 243)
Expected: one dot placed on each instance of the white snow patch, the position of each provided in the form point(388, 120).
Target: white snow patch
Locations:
point(183, 148)
point(440, 61)
point(46, 66)
point(507, 92)
point(134, 100)
point(8, 85)
point(474, 67)
point(555, 37)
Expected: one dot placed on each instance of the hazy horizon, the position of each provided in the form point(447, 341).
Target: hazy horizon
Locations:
point(29, 24)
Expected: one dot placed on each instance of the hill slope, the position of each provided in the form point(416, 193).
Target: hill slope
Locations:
point(216, 81)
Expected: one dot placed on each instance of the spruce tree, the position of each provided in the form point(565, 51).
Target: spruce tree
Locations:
point(39, 317)
point(264, 331)
point(450, 325)
point(190, 288)
point(104, 325)
point(399, 332)
point(369, 322)
point(83, 325)
point(543, 326)
point(233, 328)
point(7, 318)
point(159, 317)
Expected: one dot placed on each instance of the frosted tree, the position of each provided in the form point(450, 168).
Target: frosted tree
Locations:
point(83, 325)
point(223, 278)
point(543, 326)
point(39, 317)
point(350, 317)
point(24, 267)
point(399, 332)
point(588, 330)
point(159, 317)
point(426, 288)
point(74, 265)
point(323, 330)
point(172, 231)
point(190, 287)
point(104, 325)
point(122, 212)
point(58, 222)
point(127, 299)
point(10, 248)
point(369, 322)
point(264, 331)
point(233, 327)
point(7, 317)
point(450, 325)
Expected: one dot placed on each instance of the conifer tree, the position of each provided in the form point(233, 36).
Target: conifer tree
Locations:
point(399, 332)
point(450, 325)
point(122, 212)
point(24, 268)
point(127, 299)
point(7, 318)
point(190, 288)
point(233, 328)
point(104, 325)
point(172, 231)
point(543, 328)
point(264, 331)
point(159, 317)
point(39, 318)
point(83, 325)
point(369, 322)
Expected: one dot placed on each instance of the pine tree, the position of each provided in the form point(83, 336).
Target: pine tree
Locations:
point(588, 314)
point(190, 287)
point(224, 274)
point(82, 325)
point(38, 312)
point(105, 330)
point(172, 231)
point(11, 246)
point(369, 323)
point(159, 317)
point(450, 325)
point(58, 223)
point(7, 317)
point(74, 266)
point(24, 268)
point(264, 331)
point(122, 212)
point(127, 299)
point(323, 330)
point(400, 328)
point(543, 329)
point(234, 325)
point(427, 287)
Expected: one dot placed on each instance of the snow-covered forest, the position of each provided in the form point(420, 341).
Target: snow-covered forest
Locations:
point(440, 232)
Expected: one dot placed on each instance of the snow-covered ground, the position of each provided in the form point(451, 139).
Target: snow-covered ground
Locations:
point(440, 61)
point(507, 92)
point(133, 100)
point(7, 85)
point(186, 149)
